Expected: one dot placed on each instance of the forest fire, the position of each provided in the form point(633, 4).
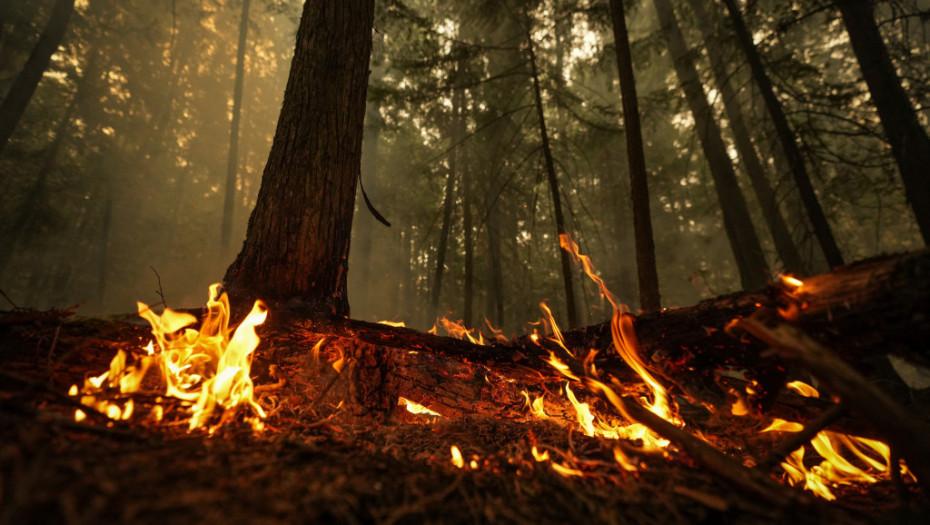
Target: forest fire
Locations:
point(206, 369)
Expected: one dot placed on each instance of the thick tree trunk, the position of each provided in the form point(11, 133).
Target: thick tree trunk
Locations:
point(639, 186)
point(747, 251)
point(781, 235)
point(553, 184)
point(297, 245)
point(232, 161)
point(495, 306)
point(16, 100)
point(909, 142)
point(786, 137)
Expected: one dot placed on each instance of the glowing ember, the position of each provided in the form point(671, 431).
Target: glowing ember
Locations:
point(207, 368)
point(566, 471)
point(540, 456)
point(395, 324)
point(416, 408)
point(791, 282)
point(457, 458)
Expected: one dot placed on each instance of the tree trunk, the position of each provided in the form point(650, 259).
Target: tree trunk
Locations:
point(448, 203)
point(16, 100)
point(736, 220)
point(792, 152)
point(909, 142)
point(232, 160)
point(639, 186)
point(781, 235)
point(553, 183)
point(297, 245)
point(495, 306)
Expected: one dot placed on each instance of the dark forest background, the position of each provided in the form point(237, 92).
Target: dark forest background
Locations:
point(121, 160)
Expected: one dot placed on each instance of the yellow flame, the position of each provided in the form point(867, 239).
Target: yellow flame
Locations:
point(803, 388)
point(79, 415)
point(498, 333)
point(208, 367)
point(457, 458)
point(416, 408)
point(540, 456)
point(395, 324)
point(835, 469)
point(566, 471)
point(792, 282)
point(458, 330)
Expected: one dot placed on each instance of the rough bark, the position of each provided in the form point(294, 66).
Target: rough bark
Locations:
point(781, 235)
point(232, 161)
point(636, 159)
point(297, 244)
point(20, 93)
point(909, 141)
point(554, 190)
point(737, 222)
point(787, 138)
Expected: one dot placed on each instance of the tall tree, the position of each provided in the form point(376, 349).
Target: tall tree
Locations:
point(765, 194)
point(909, 142)
point(737, 222)
point(554, 189)
point(787, 138)
point(17, 98)
point(232, 161)
point(636, 159)
point(297, 243)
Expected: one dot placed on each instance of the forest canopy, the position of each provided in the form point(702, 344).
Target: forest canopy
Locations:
point(119, 164)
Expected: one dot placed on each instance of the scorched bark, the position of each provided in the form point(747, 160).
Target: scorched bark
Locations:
point(297, 245)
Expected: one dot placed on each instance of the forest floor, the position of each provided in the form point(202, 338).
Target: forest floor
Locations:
point(320, 458)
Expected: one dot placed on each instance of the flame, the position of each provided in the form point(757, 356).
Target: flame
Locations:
point(624, 336)
point(566, 471)
point(208, 368)
point(834, 469)
point(416, 408)
point(457, 458)
point(498, 333)
point(395, 324)
point(540, 456)
point(458, 330)
point(792, 283)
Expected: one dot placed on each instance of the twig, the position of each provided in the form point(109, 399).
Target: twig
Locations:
point(5, 296)
point(51, 350)
point(799, 439)
point(160, 291)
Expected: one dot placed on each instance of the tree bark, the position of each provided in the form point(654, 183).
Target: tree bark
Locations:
point(736, 219)
point(787, 138)
point(495, 307)
point(553, 183)
point(297, 245)
point(781, 235)
point(909, 142)
point(20, 93)
point(639, 186)
point(232, 160)
point(448, 203)
point(468, 237)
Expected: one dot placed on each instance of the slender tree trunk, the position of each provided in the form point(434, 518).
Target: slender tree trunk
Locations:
point(447, 205)
point(364, 226)
point(553, 184)
point(798, 169)
point(495, 306)
point(909, 142)
point(639, 185)
point(467, 226)
point(781, 235)
point(297, 246)
point(16, 100)
point(27, 212)
point(747, 251)
point(103, 257)
point(232, 161)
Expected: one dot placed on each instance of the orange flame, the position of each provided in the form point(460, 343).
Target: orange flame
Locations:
point(416, 408)
point(208, 367)
point(457, 458)
point(834, 469)
point(458, 330)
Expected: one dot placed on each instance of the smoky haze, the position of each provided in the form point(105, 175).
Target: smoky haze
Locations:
point(113, 181)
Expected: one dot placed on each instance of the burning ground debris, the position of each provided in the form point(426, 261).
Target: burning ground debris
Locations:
point(484, 437)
